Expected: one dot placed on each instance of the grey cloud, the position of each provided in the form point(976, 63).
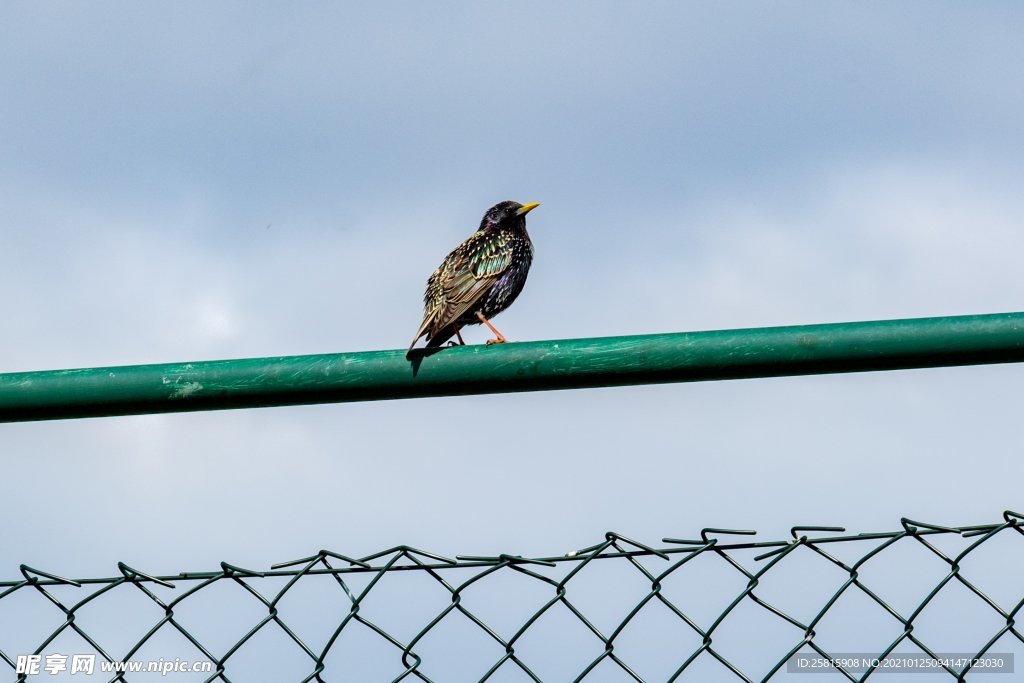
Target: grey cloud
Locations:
point(217, 181)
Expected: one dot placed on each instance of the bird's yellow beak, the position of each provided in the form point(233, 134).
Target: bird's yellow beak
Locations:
point(527, 208)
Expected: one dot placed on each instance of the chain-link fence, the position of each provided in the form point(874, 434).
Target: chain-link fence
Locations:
point(708, 608)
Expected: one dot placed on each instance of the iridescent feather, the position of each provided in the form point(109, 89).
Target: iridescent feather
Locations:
point(484, 274)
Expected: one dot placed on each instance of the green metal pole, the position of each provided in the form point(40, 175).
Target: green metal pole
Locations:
point(529, 366)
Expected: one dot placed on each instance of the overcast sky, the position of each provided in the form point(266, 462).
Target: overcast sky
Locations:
point(193, 181)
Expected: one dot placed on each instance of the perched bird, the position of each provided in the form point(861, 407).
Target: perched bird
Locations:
point(480, 278)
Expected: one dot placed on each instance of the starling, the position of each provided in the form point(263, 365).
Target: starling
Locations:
point(480, 278)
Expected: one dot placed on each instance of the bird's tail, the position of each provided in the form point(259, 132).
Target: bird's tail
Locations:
point(419, 333)
point(408, 354)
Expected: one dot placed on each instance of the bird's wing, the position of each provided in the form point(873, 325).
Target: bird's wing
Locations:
point(480, 261)
point(433, 303)
point(466, 275)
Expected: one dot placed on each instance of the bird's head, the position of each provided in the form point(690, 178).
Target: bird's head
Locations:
point(508, 215)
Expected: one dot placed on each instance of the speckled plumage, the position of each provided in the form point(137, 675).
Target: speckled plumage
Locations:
point(482, 275)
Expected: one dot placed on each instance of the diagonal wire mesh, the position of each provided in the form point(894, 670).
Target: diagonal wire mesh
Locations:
point(704, 608)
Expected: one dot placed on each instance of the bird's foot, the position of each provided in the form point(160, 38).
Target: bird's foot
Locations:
point(499, 338)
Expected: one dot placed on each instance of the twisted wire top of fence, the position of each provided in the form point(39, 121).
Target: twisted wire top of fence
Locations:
point(663, 614)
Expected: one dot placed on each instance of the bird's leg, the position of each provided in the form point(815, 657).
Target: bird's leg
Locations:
point(499, 338)
point(459, 335)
